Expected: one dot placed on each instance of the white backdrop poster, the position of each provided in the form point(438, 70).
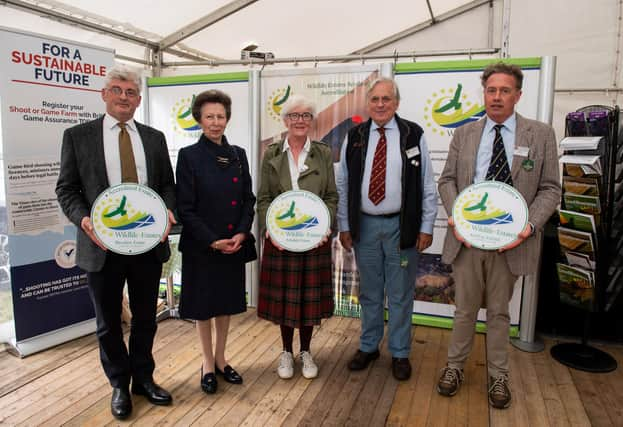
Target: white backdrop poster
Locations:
point(340, 97)
point(441, 96)
point(46, 86)
point(170, 102)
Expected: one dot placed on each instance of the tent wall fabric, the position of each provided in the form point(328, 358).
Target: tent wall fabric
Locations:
point(167, 40)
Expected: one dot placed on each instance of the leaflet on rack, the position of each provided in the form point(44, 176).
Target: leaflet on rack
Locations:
point(576, 241)
point(580, 165)
point(584, 204)
point(577, 286)
point(580, 143)
point(587, 186)
point(578, 221)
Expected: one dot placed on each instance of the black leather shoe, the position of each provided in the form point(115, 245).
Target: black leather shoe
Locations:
point(153, 392)
point(121, 403)
point(362, 359)
point(230, 374)
point(208, 382)
point(401, 368)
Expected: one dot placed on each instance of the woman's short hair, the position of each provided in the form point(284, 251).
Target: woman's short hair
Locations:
point(211, 97)
point(504, 68)
point(296, 101)
point(125, 74)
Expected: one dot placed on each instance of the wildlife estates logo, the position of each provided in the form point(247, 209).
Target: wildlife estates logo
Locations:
point(129, 218)
point(275, 102)
point(120, 215)
point(450, 108)
point(297, 220)
point(182, 120)
point(490, 215)
point(293, 219)
point(481, 211)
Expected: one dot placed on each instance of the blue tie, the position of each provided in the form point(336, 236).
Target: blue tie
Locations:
point(498, 168)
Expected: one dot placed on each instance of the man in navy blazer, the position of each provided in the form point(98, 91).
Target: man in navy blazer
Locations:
point(90, 163)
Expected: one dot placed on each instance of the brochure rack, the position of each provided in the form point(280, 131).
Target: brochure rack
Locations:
point(590, 233)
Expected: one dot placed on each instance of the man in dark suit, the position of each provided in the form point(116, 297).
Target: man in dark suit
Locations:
point(527, 159)
point(91, 161)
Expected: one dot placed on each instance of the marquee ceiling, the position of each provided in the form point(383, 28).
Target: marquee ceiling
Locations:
point(219, 29)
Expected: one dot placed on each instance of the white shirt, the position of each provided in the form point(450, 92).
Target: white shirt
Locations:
point(296, 168)
point(111, 150)
point(393, 171)
point(393, 196)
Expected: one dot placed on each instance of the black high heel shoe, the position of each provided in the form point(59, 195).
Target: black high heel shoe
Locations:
point(229, 374)
point(208, 382)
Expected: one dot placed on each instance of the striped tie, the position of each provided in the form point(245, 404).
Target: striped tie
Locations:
point(376, 190)
point(498, 168)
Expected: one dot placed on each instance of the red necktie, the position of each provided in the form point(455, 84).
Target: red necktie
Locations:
point(376, 191)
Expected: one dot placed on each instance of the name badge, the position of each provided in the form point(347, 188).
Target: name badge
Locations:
point(522, 151)
point(412, 152)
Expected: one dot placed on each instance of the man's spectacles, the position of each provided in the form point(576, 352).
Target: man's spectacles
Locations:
point(306, 117)
point(117, 91)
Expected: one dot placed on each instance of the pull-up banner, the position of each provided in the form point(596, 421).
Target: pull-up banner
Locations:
point(442, 96)
point(46, 86)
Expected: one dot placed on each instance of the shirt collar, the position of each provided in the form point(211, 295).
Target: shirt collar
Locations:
point(509, 124)
point(110, 123)
point(389, 125)
point(306, 147)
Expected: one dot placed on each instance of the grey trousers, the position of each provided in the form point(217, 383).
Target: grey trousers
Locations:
point(482, 279)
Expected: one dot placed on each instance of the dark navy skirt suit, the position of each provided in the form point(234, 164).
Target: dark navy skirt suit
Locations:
point(214, 201)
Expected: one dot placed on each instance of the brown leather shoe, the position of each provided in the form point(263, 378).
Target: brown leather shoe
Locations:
point(401, 368)
point(499, 392)
point(362, 359)
point(450, 381)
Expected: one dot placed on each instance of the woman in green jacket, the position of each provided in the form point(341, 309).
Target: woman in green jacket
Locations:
point(296, 289)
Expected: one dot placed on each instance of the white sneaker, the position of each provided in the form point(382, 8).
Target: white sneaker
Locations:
point(310, 370)
point(286, 365)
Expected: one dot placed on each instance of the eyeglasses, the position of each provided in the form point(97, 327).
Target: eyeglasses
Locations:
point(306, 117)
point(117, 91)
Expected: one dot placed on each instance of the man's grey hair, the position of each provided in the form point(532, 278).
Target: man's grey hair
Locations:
point(295, 101)
point(123, 73)
point(378, 80)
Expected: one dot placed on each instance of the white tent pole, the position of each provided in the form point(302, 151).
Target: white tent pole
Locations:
point(255, 109)
point(530, 296)
point(506, 23)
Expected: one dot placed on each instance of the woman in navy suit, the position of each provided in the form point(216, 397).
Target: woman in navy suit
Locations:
point(216, 208)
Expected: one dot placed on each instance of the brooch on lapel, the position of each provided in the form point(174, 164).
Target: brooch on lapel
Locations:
point(528, 165)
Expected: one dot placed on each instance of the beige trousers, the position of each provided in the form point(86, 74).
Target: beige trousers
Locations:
point(482, 278)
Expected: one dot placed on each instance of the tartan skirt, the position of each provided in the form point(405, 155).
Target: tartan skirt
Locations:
point(296, 289)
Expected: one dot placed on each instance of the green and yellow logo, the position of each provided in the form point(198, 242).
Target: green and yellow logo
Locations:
point(292, 219)
point(276, 100)
point(182, 119)
point(479, 210)
point(118, 214)
point(451, 108)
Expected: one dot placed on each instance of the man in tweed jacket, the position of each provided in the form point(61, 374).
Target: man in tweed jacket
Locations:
point(489, 276)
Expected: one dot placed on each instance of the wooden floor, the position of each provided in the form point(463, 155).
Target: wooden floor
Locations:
point(66, 385)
